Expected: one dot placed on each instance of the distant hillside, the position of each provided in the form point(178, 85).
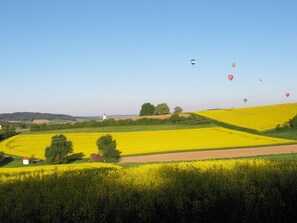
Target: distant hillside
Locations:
point(30, 116)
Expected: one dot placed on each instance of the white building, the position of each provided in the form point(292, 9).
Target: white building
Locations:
point(26, 161)
point(104, 117)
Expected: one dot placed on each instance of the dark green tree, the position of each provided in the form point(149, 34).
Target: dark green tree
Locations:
point(107, 147)
point(7, 132)
point(162, 109)
point(147, 109)
point(177, 110)
point(1, 156)
point(59, 149)
point(293, 123)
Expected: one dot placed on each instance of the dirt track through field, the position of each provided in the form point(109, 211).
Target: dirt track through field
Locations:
point(211, 154)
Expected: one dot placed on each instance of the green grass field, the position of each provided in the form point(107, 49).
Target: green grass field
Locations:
point(285, 134)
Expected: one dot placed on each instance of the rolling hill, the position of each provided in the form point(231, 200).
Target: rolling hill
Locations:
point(260, 118)
point(30, 116)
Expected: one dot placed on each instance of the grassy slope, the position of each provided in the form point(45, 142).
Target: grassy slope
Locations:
point(284, 134)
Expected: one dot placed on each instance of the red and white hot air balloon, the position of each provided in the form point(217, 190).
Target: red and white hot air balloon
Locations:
point(230, 77)
point(287, 94)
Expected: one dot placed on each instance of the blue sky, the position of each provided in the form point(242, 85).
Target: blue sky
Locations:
point(94, 57)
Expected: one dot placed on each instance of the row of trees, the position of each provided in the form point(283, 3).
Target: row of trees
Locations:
point(7, 131)
point(291, 124)
point(60, 148)
point(160, 109)
point(175, 118)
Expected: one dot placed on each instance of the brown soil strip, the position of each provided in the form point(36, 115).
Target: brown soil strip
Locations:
point(213, 154)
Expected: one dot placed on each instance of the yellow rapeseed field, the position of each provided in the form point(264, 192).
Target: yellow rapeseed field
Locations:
point(144, 142)
point(141, 176)
point(148, 173)
point(259, 118)
point(23, 172)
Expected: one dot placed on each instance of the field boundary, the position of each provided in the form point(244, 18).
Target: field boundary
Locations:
point(213, 154)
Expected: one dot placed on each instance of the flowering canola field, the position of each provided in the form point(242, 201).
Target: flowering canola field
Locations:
point(31, 171)
point(143, 142)
point(233, 190)
point(141, 175)
point(259, 118)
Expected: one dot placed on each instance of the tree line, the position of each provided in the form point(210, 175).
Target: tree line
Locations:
point(7, 130)
point(173, 119)
point(291, 124)
point(148, 109)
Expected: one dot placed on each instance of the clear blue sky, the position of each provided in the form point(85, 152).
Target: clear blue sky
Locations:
point(94, 57)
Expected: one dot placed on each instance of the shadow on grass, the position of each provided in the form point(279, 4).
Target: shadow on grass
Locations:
point(6, 161)
point(75, 156)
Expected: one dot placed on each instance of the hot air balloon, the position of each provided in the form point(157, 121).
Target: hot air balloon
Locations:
point(245, 100)
point(193, 61)
point(230, 77)
point(287, 94)
point(234, 65)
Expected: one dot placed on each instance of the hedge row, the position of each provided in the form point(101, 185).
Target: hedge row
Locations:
point(125, 122)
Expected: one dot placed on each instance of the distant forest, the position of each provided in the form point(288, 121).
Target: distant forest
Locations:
point(30, 116)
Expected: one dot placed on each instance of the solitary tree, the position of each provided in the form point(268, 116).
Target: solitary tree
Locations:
point(107, 148)
point(178, 110)
point(59, 149)
point(162, 109)
point(147, 109)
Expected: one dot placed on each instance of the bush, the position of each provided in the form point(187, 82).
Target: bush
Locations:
point(1, 156)
point(59, 149)
point(125, 122)
point(176, 118)
point(107, 148)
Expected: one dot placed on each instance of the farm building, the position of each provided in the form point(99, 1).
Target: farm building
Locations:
point(26, 161)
